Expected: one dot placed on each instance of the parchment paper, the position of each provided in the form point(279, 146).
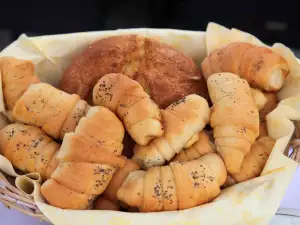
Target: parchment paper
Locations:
point(252, 202)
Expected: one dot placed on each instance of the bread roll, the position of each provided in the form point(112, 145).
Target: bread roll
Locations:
point(181, 121)
point(255, 160)
point(260, 66)
point(127, 98)
point(88, 159)
point(17, 75)
point(176, 186)
point(165, 73)
point(201, 147)
point(234, 118)
point(111, 191)
point(29, 149)
point(54, 111)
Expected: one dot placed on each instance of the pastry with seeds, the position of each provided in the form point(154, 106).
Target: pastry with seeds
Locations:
point(127, 98)
point(109, 197)
point(176, 186)
point(88, 159)
point(29, 149)
point(234, 118)
point(260, 66)
point(181, 120)
point(255, 160)
point(17, 75)
point(54, 111)
point(202, 146)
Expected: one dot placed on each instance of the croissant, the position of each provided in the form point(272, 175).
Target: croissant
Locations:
point(127, 98)
point(176, 186)
point(88, 159)
point(17, 75)
point(201, 147)
point(260, 66)
point(181, 120)
point(109, 197)
point(234, 118)
point(29, 149)
point(120, 175)
point(255, 160)
point(54, 111)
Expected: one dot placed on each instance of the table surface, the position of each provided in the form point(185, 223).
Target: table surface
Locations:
point(291, 200)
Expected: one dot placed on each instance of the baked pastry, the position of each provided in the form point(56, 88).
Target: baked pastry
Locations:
point(17, 75)
point(259, 98)
point(255, 161)
point(234, 118)
point(120, 175)
point(109, 199)
point(165, 73)
point(54, 111)
point(201, 147)
point(88, 159)
point(29, 149)
point(127, 99)
point(176, 186)
point(181, 120)
point(260, 66)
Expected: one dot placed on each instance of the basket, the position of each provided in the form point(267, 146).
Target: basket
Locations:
point(12, 197)
point(46, 53)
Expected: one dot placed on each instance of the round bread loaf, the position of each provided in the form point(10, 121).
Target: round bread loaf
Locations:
point(165, 73)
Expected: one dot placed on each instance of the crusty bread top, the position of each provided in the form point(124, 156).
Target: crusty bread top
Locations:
point(165, 73)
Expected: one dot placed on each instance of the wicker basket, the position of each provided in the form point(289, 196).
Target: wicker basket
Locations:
point(11, 197)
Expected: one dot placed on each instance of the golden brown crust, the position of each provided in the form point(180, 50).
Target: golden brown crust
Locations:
point(118, 179)
point(166, 74)
point(181, 120)
point(96, 176)
point(62, 197)
point(88, 159)
point(73, 118)
point(28, 148)
point(45, 106)
point(201, 147)
point(126, 97)
point(17, 75)
point(177, 186)
point(255, 160)
point(260, 66)
point(234, 118)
